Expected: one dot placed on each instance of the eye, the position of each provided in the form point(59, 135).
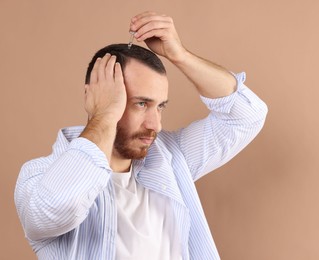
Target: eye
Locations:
point(162, 106)
point(141, 104)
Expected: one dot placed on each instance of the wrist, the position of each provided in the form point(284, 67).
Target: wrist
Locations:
point(101, 133)
point(103, 120)
point(181, 58)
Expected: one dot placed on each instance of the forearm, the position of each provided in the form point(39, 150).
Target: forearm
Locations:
point(211, 80)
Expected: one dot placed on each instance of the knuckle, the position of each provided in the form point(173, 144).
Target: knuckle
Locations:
point(150, 12)
point(170, 19)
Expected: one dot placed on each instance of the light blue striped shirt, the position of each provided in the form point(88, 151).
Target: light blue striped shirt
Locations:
point(65, 201)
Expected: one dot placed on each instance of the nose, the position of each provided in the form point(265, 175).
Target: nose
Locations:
point(152, 120)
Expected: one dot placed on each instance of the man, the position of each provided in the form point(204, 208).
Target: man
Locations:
point(121, 188)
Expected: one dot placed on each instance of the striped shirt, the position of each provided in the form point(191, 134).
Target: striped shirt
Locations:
point(66, 201)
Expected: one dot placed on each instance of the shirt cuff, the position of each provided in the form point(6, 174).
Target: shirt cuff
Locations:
point(91, 149)
point(224, 104)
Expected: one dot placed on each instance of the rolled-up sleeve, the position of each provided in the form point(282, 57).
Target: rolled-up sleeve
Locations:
point(53, 196)
point(234, 121)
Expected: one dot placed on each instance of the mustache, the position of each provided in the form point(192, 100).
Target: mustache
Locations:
point(146, 133)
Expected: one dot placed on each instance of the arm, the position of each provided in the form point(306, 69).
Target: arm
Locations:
point(237, 114)
point(105, 101)
point(53, 195)
point(234, 121)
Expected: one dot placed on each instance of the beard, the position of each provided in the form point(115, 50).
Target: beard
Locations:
point(123, 143)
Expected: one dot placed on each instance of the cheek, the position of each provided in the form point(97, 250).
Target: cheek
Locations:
point(130, 121)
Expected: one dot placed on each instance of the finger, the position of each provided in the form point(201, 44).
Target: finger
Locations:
point(109, 69)
point(149, 19)
point(152, 26)
point(86, 91)
point(141, 15)
point(118, 74)
point(93, 77)
point(102, 65)
point(86, 86)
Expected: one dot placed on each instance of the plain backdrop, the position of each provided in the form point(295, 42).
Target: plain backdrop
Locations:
point(264, 203)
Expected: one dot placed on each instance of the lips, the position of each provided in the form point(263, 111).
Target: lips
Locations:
point(147, 140)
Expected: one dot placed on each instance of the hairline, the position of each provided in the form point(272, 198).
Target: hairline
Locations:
point(129, 60)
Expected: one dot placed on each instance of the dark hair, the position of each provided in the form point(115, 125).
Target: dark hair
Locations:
point(123, 54)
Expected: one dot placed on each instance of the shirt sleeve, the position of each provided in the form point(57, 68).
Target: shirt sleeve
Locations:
point(234, 121)
point(54, 196)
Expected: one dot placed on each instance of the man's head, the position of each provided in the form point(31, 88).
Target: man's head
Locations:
point(147, 90)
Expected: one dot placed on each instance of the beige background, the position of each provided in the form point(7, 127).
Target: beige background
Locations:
point(263, 204)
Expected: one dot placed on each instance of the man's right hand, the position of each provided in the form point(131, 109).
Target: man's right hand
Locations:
point(105, 96)
point(105, 102)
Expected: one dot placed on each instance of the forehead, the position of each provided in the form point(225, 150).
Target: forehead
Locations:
point(141, 80)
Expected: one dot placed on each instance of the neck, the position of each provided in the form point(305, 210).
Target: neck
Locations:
point(119, 164)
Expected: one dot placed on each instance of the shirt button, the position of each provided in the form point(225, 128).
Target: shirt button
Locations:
point(164, 187)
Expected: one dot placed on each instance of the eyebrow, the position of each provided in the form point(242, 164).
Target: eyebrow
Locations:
point(146, 99)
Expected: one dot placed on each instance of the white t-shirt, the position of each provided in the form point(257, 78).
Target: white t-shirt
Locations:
point(146, 225)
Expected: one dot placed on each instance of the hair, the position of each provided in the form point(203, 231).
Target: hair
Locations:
point(123, 54)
